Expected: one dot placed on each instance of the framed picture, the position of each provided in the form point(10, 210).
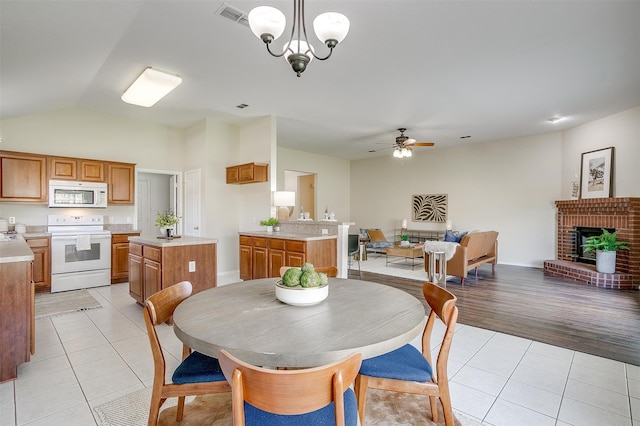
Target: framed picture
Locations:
point(429, 208)
point(596, 173)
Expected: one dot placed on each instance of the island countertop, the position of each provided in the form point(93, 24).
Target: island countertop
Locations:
point(288, 235)
point(183, 240)
point(15, 250)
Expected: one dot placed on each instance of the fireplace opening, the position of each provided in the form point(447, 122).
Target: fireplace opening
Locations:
point(582, 233)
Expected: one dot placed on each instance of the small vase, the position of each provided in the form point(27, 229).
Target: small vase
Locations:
point(606, 262)
point(404, 243)
point(163, 230)
point(269, 229)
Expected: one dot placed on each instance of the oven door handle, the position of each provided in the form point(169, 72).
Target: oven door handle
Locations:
point(74, 237)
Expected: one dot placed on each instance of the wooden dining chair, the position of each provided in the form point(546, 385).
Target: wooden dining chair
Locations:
point(197, 374)
point(331, 271)
point(312, 396)
point(407, 369)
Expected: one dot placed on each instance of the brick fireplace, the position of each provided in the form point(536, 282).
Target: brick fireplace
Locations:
point(620, 214)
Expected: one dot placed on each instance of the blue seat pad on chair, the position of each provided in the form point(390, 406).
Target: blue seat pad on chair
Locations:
point(405, 363)
point(198, 368)
point(322, 417)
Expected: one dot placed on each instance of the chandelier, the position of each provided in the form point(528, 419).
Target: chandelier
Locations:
point(402, 152)
point(268, 23)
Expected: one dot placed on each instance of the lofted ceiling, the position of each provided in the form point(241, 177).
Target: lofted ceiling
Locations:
point(443, 69)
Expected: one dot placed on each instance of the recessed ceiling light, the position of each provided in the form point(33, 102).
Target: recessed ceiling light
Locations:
point(554, 120)
point(242, 106)
point(151, 86)
point(465, 137)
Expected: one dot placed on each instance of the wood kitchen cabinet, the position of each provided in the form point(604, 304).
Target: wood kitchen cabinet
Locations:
point(120, 257)
point(17, 322)
point(120, 178)
point(247, 173)
point(64, 168)
point(262, 257)
point(155, 266)
point(41, 248)
point(23, 177)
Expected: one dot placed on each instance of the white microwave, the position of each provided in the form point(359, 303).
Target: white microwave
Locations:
point(77, 194)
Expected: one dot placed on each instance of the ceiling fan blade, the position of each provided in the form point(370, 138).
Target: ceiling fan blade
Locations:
point(423, 144)
point(380, 149)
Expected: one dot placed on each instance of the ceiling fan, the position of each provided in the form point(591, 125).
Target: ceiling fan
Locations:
point(404, 145)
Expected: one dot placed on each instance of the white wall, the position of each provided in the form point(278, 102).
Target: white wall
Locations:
point(622, 131)
point(333, 175)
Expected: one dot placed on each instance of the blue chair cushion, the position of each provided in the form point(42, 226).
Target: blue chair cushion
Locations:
point(379, 244)
point(406, 363)
point(198, 368)
point(323, 416)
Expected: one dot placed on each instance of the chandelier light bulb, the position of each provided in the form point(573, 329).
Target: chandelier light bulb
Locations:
point(267, 20)
point(331, 28)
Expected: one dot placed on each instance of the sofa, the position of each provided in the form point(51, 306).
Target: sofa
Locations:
point(473, 250)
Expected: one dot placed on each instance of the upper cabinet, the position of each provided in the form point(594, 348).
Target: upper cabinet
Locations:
point(247, 173)
point(62, 168)
point(120, 177)
point(23, 177)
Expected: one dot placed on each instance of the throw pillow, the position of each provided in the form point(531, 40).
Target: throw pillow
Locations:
point(453, 237)
point(376, 235)
point(364, 233)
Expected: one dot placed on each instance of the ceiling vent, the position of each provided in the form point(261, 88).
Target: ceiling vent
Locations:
point(233, 13)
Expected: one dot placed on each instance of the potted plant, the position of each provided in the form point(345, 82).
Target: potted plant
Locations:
point(404, 240)
point(167, 221)
point(269, 223)
point(606, 245)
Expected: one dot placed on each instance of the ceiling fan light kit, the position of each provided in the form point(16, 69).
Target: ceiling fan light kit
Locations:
point(403, 147)
point(268, 23)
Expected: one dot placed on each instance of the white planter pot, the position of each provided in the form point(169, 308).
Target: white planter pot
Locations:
point(606, 261)
point(269, 228)
point(163, 230)
point(405, 243)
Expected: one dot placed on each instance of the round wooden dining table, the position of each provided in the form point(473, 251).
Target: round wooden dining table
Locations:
point(247, 320)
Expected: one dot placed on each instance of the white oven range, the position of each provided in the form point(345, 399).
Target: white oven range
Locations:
point(80, 252)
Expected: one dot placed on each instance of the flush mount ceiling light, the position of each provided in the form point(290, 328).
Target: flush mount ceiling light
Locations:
point(151, 86)
point(268, 23)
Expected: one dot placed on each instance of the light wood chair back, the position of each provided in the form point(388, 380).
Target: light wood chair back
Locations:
point(158, 309)
point(331, 271)
point(289, 392)
point(443, 308)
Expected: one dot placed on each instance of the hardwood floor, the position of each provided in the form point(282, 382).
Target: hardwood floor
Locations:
point(524, 302)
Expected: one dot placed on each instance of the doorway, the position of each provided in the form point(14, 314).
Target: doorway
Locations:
point(155, 192)
point(304, 185)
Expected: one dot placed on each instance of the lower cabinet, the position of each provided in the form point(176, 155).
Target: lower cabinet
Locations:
point(17, 322)
point(262, 257)
point(120, 257)
point(41, 248)
point(153, 268)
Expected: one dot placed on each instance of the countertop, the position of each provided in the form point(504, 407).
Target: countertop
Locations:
point(184, 240)
point(288, 235)
point(15, 250)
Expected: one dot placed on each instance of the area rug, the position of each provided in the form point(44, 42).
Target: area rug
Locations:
point(377, 264)
point(52, 304)
point(383, 408)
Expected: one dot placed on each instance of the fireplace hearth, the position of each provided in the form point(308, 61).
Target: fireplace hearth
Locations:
point(578, 219)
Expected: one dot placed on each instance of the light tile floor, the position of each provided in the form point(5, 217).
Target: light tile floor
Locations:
point(88, 358)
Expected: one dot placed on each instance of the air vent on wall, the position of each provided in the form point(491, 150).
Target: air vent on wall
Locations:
point(233, 13)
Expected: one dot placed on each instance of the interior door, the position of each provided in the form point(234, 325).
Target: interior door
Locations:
point(307, 186)
point(192, 203)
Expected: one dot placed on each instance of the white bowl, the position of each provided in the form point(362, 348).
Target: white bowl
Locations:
point(301, 296)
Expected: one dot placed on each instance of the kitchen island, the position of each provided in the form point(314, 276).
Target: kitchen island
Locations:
point(17, 310)
point(263, 253)
point(157, 263)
